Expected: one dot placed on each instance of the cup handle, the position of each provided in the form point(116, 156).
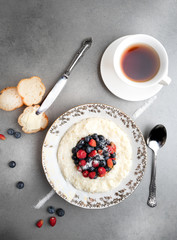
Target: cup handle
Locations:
point(166, 81)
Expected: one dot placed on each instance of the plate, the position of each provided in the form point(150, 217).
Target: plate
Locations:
point(118, 87)
point(52, 170)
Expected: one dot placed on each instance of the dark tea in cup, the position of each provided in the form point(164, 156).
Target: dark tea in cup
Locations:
point(140, 62)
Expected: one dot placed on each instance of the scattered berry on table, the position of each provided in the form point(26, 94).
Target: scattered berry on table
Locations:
point(51, 210)
point(2, 137)
point(10, 131)
point(52, 221)
point(60, 212)
point(17, 134)
point(20, 185)
point(12, 164)
point(39, 223)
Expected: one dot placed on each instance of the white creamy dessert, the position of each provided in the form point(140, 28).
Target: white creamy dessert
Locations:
point(109, 130)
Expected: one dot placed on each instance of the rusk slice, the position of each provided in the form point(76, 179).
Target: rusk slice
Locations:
point(31, 122)
point(31, 90)
point(10, 99)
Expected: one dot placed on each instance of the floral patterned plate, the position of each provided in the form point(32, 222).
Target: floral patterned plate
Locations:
point(93, 200)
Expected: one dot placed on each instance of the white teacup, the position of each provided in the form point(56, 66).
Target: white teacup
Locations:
point(161, 76)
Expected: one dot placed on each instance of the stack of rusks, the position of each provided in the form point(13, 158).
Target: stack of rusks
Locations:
point(28, 92)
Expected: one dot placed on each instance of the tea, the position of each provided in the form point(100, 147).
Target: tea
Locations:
point(140, 63)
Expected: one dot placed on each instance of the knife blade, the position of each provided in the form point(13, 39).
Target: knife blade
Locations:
point(53, 94)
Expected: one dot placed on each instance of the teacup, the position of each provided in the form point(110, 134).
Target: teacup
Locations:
point(141, 61)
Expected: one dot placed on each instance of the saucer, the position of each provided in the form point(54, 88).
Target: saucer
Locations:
point(118, 87)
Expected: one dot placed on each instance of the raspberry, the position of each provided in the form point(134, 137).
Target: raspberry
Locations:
point(81, 154)
point(101, 171)
point(92, 175)
point(92, 143)
point(82, 163)
point(95, 163)
point(85, 173)
point(79, 169)
point(100, 151)
point(110, 149)
point(113, 146)
point(93, 153)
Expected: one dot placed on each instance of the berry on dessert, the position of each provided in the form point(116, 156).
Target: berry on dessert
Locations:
point(60, 212)
point(52, 221)
point(95, 163)
point(39, 223)
point(93, 153)
point(92, 175)
point(81, 154)
point(85, 173)
point(113, 146)
point(51, 210)
point(82, 163)
point(79, 169)
point(12, 164)
point(110, 163)
point(92, 143)
point(101, 171)
point(2, 137)
point(110, 149)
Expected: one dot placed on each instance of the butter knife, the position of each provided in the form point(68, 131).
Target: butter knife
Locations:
point(53, 94)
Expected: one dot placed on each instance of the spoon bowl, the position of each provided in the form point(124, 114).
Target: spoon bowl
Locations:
point(156, 139)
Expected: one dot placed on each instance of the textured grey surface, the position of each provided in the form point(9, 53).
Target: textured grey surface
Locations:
point(38, 37)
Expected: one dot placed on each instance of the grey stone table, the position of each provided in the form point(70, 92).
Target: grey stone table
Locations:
point(38, 37)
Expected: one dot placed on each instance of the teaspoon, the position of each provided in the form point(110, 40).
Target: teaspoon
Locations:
point(156, 139)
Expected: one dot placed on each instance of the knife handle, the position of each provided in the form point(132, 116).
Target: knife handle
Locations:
point(53, 94)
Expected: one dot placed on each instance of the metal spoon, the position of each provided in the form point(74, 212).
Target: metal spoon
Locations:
point(157, 138)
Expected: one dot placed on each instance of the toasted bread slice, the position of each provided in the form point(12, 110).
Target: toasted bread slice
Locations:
point(31, 122)
point(31, 90)
point(10, 99)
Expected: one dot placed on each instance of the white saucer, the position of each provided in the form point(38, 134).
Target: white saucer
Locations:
point(118, 87)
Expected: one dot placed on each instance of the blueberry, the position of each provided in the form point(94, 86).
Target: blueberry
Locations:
point(74, 157)
point(17, 134)
point(108, 142)
point(95, 136)
point(105, 154)
point(79, 146)
point(114, 162)
point(91, 169)
point(74, 150)
point(95, 176)
point(12, 164)
point(97, 158)
point(51, 210)
point(76, 161)
point(20, 185)
point(87, 139)
point(60, 212)
point(102, 163)
point(106, 158)
point(113, 155)
point(100, 145)
point(89, 159)
point(10, 131)
point(97, 148)
point(89, 149)
point(107, 169)
point(101, 137)
point(81, 142)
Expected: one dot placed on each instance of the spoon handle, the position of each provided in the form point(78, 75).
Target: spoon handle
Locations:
point(152, 187)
